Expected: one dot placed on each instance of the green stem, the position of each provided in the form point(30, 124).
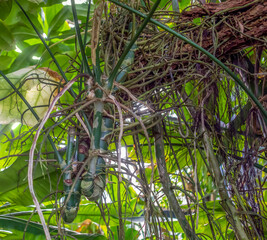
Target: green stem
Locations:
point(78, 33)
point(54, 59)
point(97, 70)
point(72, 198)
point(166, 182)
point(175, 6)
point(44, 43)
point(93, 183)
point(87, 21)
point(219, 182)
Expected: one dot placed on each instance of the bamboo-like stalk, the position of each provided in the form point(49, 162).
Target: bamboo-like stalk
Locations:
point(166, 183)
point(72, 204)
point(93, 183)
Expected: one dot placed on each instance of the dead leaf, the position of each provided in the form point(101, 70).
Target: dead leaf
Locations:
point(95, 30)
point(241, 28)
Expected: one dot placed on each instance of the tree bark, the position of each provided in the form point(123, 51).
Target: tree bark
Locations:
point(237, 25)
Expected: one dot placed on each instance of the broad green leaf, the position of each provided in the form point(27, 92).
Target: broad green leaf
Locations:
point(6, 37)
point(14, 184)
point(5, 62)
point(56, 24)
point(36, 1)
point(4, 144)
point(33, 15)
point(22, 32)
point(82, 11)
point(67, 35)
point(47, 3)
point(63, 59)
point(9, 54)
point(16, 228)
point(13, 17)
point(51, 11)
point(16, 15)
point(131, 234)
point(15, 78)
point(25, 58)
point(183, 4)
point(92, 212)
point(5, 8)
point(182, 157)
point(14, 141)
point(89, 210)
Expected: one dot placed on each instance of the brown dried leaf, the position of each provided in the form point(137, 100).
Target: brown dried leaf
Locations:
point(95, 30)
point(241, 28)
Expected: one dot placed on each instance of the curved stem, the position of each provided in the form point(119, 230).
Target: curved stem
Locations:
point(31, 155)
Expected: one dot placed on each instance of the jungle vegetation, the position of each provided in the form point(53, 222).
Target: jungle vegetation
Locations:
point(131, 120)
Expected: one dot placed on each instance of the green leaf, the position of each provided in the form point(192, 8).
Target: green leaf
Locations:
point(14, 184)
point(25, 58)
point(88, 210)
point(4, 144)
point(131, 234)
point(184, 3)
point(6, 38)
point(51, 2)
point(5, 61)
point(111, 210)
point(47, 3)
point(63, 58)
point(5, 8)
point(57, 22)
point(35, 230)
point(16, 16)
point(36, 1)
point(82, 11)
point(125, 189)
point(22, 32)
point(36, 93)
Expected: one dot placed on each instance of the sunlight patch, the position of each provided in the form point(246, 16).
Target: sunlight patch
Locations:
point(35, 58)
point(14, 126)
point(44, 35)
point(18, 50)
point(68, 2)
